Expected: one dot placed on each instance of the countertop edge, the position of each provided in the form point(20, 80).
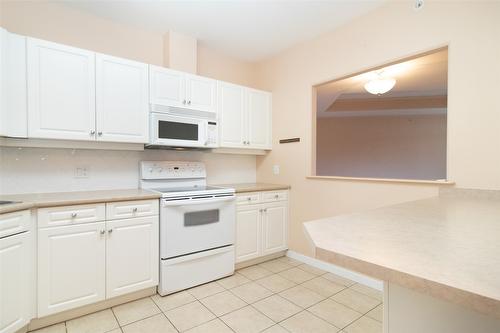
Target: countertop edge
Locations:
point(40, 203)
point(471, 300)
point(255, 187)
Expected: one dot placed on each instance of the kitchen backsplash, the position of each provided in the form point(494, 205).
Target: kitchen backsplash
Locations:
point(31, 170)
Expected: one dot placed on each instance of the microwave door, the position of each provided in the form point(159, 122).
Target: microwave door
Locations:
point(176, 131)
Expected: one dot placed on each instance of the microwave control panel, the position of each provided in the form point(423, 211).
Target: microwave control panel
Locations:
point(212, 134)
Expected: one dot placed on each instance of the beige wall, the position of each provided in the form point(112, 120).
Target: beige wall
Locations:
point(402, 147)
point(391, 32)
point(63, 24)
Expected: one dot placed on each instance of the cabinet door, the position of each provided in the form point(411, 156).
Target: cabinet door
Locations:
point(13, 106)
point(274, 227)
point(61, 91)
point(122, 105)
point(201, 93)
point(248, 233)
point(132, 255)
point(16, 260)
point(167, 87)
point(231, 112)
point(71, 267)
point(259, 119)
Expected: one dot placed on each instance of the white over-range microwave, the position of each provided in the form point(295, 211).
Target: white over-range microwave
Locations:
point(182, 128)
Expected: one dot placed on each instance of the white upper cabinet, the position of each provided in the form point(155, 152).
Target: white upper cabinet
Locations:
point(259, 118)
point(231, 110)
point(61, 91)
point(13, 105)
point(122, 105)
point(167, 87)
point(245, 116)
point(201, 93)
point(172, 88)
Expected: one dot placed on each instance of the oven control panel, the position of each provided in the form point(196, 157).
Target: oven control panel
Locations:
point(172, 170)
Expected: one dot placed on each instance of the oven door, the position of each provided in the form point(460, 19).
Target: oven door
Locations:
point(174, 131)
point(196, 224)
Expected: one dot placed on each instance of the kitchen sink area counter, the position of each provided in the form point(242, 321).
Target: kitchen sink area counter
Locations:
point(445, 248)
point(255, 187)
point(40, 200)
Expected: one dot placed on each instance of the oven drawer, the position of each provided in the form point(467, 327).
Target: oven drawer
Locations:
point(248, 199)
point(191, 270)
point(65, 215)
point(274, 196)
point(128, 209)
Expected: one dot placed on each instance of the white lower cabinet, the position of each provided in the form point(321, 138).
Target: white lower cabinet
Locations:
point(71, 267)
point(261, 224)
point(248, 232)
point(274, 227)
point(81, 263)
point(16, 270)
point(132, 255)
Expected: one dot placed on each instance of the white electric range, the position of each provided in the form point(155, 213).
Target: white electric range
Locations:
point(197, 224)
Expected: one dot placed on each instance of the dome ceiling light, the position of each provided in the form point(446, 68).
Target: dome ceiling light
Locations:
point(380, 85)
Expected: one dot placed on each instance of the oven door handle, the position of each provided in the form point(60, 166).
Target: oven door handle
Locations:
point(190, 202)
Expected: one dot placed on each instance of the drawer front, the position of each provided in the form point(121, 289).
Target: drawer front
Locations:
point(13, 223)
point(128, 209)
point(67, 215)
point(248, 199)
point(274, 196)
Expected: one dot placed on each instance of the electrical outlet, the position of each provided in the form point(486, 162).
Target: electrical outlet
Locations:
point(82, 172)
point(276, 169)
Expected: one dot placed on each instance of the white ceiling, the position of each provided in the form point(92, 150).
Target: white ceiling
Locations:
point(422, 76)
point(248, 30)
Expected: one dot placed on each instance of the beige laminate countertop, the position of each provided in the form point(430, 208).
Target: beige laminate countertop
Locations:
point(255, 187)
point(38, 200)
point(447, 247)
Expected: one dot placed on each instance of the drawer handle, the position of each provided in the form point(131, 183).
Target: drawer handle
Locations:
point(73, 215)
point(134, 210)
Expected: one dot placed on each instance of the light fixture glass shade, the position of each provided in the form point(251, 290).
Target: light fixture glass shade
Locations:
point(380, 86)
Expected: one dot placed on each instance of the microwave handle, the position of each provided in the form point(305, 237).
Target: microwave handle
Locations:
point(206, 134)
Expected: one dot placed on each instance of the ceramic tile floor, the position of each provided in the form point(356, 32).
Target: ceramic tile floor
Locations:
point(281, 295)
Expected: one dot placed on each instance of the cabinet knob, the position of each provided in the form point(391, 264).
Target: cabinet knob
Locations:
point(73, 215)
point(134, 209)
point(265, 210)
point(249, 199)
point(102, 232)
point(276, 196)
point(92, 132)
point(110, 230)
point(184, 102)
point(189, 102)
point(99, 133)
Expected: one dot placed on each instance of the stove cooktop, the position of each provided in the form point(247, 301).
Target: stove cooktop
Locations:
point(192, 190)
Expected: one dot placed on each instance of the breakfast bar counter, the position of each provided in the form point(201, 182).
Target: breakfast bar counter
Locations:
point(436, 256)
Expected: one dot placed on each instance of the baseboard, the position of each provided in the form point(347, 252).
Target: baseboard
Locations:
point(87, 309)
point(340, 271)
point(259, 260)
